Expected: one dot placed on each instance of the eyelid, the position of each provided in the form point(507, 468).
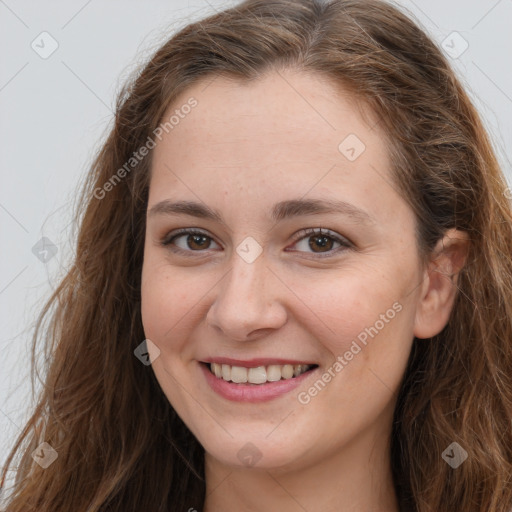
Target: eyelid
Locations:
point(169, 237)
point(303, 233)
point(345, 244)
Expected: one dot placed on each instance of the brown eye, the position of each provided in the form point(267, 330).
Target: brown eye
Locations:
point(319, 241)
point(189, 241)
point(323, 242)
point(315, 241)
point(197, 241)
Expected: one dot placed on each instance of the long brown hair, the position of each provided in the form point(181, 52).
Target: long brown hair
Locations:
point(121, 446)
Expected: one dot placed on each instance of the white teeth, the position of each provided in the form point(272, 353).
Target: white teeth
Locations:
point(226, 372)
point(287, 371)
point(259, 375)
point(273, 372)
point(238, 374)
point(217, 368)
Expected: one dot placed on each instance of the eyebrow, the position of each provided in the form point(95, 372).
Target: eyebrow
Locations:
point(282, 210)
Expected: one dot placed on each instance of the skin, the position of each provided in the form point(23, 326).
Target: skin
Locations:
point(242, 149)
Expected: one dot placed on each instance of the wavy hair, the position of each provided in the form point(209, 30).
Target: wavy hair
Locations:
point(121, 446)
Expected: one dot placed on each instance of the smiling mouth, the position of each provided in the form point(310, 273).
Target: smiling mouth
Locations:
point(260, 374)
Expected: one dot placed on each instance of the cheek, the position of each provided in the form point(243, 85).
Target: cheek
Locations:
point(173, 303)
point(367, 319)
point(368, 357)
point(164, 301)
point(374, 352)
point(352, 301)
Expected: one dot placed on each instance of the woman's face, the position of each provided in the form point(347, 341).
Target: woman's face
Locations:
point(247, 171)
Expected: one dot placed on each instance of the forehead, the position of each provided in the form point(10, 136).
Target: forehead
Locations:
point(287, 134)
point(284, 113)
point(298, 108)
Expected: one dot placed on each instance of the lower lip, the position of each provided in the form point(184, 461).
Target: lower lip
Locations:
point(252, 392)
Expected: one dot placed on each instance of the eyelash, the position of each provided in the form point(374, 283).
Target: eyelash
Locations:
point(305, 233)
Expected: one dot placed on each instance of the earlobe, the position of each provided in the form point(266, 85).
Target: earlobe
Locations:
point(439, 288)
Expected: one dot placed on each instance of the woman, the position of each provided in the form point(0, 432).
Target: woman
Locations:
point(205, 357)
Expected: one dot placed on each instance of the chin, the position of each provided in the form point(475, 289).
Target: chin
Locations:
point(257, 450)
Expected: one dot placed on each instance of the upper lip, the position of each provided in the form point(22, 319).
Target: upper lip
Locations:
point(254, 363)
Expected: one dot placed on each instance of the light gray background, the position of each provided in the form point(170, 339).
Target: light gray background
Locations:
point(55, 111)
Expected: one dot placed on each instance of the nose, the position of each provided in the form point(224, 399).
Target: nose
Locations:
point(247, 305)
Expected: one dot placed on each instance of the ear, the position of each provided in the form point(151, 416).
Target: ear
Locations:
point(439, 287)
